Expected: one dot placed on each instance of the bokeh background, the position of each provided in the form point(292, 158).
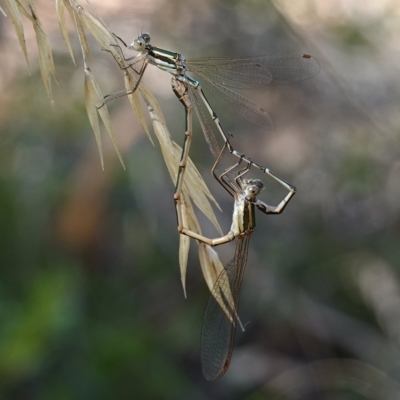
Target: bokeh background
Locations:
point(91, 304)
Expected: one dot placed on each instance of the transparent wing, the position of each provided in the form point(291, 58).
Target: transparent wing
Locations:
point(253, 72)
point(236, 76)
point(218, 332)
point(205, 126)
point(240, 104)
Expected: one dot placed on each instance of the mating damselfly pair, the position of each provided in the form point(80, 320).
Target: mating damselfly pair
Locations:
point(220, 74)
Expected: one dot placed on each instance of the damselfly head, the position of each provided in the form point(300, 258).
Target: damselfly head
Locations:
point(140, 43)
point(252, 187)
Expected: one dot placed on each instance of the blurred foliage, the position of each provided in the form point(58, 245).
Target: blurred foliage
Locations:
point(91, 304)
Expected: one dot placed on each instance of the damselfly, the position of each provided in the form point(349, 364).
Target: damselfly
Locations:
point(221, 313)
point(220, 74)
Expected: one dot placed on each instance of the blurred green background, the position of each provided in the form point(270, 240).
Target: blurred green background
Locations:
point(91, 304)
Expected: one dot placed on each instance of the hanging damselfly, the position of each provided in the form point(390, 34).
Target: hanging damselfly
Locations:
point(221, 315)
point(220, 74)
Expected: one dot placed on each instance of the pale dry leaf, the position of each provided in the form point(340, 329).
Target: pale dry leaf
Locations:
point(150, 99)
point(24, 9)
point(105, 116)
point(97, 99)
point(97, 29)
point(19, 29)
point(97, 16)
point(73, 8)
point(194, 185)
point(172, 166)
point(3, 12)
point(192, 221)
point(211, 266)
point(101, 33)
point(60, 8)
point(165, 137)
point(188, 214)
point(196, 189)
point(189, 220)
point(46, 62)
point(165, 144)
point(195, 179)
point(91, 109)
point(213, 269)
point(134, 99)
point(161, 132)
point(184, 246)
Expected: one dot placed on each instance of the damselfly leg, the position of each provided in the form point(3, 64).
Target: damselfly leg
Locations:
point(126, 63)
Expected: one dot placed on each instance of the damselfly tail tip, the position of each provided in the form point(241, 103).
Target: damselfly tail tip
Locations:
point(213, 375)
point(314, 65)
point(226, 366)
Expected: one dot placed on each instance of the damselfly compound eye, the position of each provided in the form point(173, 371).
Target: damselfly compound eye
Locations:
point(138, 44)
point(252, 191)
point(146, 37)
